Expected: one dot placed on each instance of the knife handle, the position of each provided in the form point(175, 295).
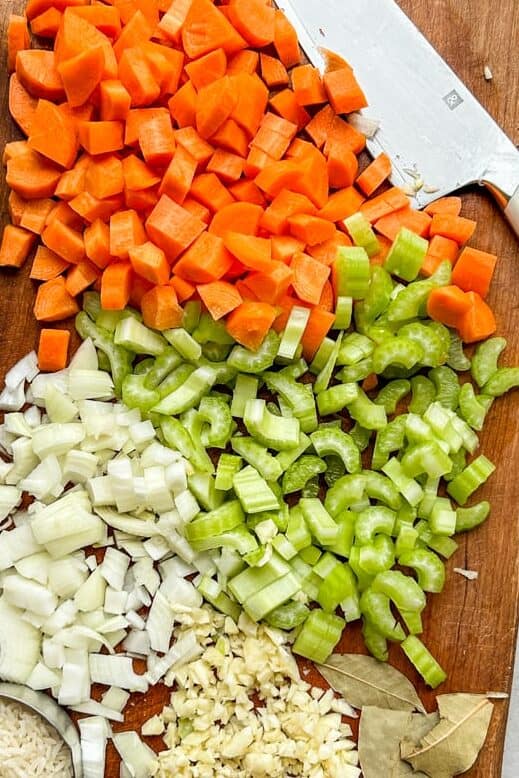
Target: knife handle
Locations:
point(509, 203)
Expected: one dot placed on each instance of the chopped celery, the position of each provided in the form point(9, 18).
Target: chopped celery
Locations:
point(392, 393)
point(120, 359)
point(352, 271)
point(275, 432)
point(336, 398)
point(220, 600)
point(92, 304)
point(360, 436)
point(191, 316)
point(318, 636)
point(294, 330)
point(228, 466)
point(323, 379)
point(310, 555)
point(447, 386)
point(429, 568)
point(371, 521)
point(468, 518)
point(297, 532)
point(344, 540)
point(253, 491)
point(375, 606)
point(298, 396)
point(424, 662)
point(288, 616)
point(289, 456)
point(335, 441)
point(334, 469)
point(376, 300)
point(406, 255)
point(258, 456)
point(300, 472)
point(168, 361)
point(343, 313)
point(322, 355)
point(210, 331)
point(321, 524)
point(252, 580)
point(136, 395)
point(357, 372)
point(189, 394)
point(457, 359)
point(184, 343)
point(177, 437)
point(219, 424)
point(401, 352)
point(193, 423)
point(174, 380)
point(354, 348)
point(203, 488)
point(248, 361)
point(377, 556)
point(340, 585)
point(222, 519)
point(246, 388)
point(366, 413)
point(389, 439)
point(408, 487)
point(362, 233)
point(470, 479)
point(485, 360)
point(258, 605)
point(134, 336)
point(430, 340)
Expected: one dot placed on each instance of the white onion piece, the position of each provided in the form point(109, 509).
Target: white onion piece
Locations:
point(94, 734)
point(116, 669)
point(24, 370)
point(140, 760)
point(19, 644)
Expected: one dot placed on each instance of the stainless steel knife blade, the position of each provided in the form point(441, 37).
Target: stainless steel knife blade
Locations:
point(430, 123)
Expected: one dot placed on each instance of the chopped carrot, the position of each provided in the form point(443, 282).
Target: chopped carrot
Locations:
point(139, 288)
point(286, 204)
point(179, 175)
point(17, 39)
point(319, 324)
point(53, 302)
point(107, 19)
point(327, 299)
point(252, 98)
point(307, 85)
point(272, 286)
point(444, 248)
point(239, 217)
point(62, 212)
point(72, 182)
point(256, 161)
point(97, 243)
point(47, 24)
point(247, 192)
point(135, 119)
point(254, 253)
point(182, 106)
point(114, 101)
point(228, 167)
point(137, 175)
point(16, 245)
point(478, 322)
point(343, 90)
point(392, 200)
point(285, 41)
point(385, 248)
point(209, 190)
point(31, 176)
point(205, 261)
point(342, 166)
point(53, 349)
point(22, 105)
point(284, 247)
point(310, 229)
point(82, 74)
point(157, 141)
point(274, 135)
point(101, 137)
point(126, 232)
point(173, 20)
point(341, 204)
point(286, 105)
point(273, 72)
point(309, 279)
point(206, 69)
point(104, 176)
point(16, 206)
point(416, 221)
point(80, 277)
point(64, 241)
point(116, 284)
point(326, 252)
point(206, 28)
point(245, 61)
point(136, 31)
point(137, 77)
point(197, 209)
point(448, 304)
point(454, 227)
point(375, 174)
point(150, 262)
point(254, 20)
point(91, 208)
point(36, 71)
point(313, 180)
point(160, 308)
point(219, 297)
point(172, 227)
point(450, 205)
point(191, 141)
point(14, 148)
point(184, 289)
point(250, 322)
point(345, 135)
point(320, 126)
point(35, 214)
point(141, 199)
point(215, 104)
point(474, 270)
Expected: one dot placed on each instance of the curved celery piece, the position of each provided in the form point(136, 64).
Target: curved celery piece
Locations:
point(173, 380)
point(442, 275)
point(408, 487)
point(210, 331)
point(376, 300)
point(354, 348)
point(254, 493)
point(228, 466)
point(296, 369)
point(357, 372)
point(352, 272)
point(318, 636)
point(372, 521)
point(377, 556)
point(320, 523)
point(400, 351)
point(468, 518)
point(312, 488)
point(336, 398)
point(104, 362)
point(406, 255)
point(360, 436)
point(409, 302)
point(428, 567)
point(457, 359)
point(92, 304)
point(300, 472)
point(401, 589)
point(275, 432)
point(406, 539)
point(294, 330)
point(362, 233)
point(247, 361)
point(337, 586)
point(164, 364)
point(193, 424)
point(379, 487)
point(375, 642)
point(389, 439)
point(471, 409)
point(184, 343)
point(210, 591)
point(290, 455)
point(366, 413)
point(376, 607)
point(108, 320)
point(216, 352)
point(297, 532)
point(334, 469)
point(364, 580)
point(423, 661)
point(459, 462)
point(423, 394)
point(391, 394)
point(257, 456)
point(238, 539)
point(203, 488)
point(191, 315)
point(485, 359)
point(177, 437)
point(143, 367)
point(222, 519)
point(321, 357)
point(413, 621)
point(131, 334)
point(335, 441)
point(288, 616)
point(120, 358)
point(381, 331)
point(344, 541)
point(430, 341)
point(470, 479)
point(428, 458)
point(323, 379)
point(224, 373)
point(502, 381)
point(298, 396)
point(347, 491)
point(189, 394)
point(217, 414)
point(343, 313)
point(135, 394)
point(447, 386)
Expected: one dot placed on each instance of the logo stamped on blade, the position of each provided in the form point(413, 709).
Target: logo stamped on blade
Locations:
point(453, 99)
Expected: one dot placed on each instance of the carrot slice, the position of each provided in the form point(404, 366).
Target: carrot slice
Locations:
point(285, 41)
point(137, 175)
point(286, 105)
point(326, 252)
point(64, 241)
point(375, 174)
point(179, 175)
point(46, 265)
point(342, 166)
point(114, 100)
point(101, 137)
point(252, 98)
point(272, 286)
point(343, 90)
point(173, 20)
point(206, 69)
point(116, 284)
point(209, 190)
point(80, 277)
point(126, 232)
point(227, 166)
point(250, 322)
point(307, 85)
point(214, 106)
point(35, 213)
point(219, 297)
point(273, 72)
point(284, 247)
point(104, 176)
point(448, 304)
point(16, 245)
point(454, 227)
point(184, 289)
point(16, 206)
point(247, 192)
point(416, 221)
point(81, 74)
point(53, 302)
point(478, 322)
point(22, 105)
point(310, 229)
point(47, 24)
point(160, 308)
point(97, 243)
point(474, 271)
point(232, 138)
point(309, 278)
point(341, 204)
point(182, 106)
point(206, 28)
point(137, 77)
point(205, 261)
point(319, 324)
point(450, 205)
point(17, 39)
point(191, 141)
point(241, 217)
point(157, 140)
point(245, 61)
point(150, 262)
point(53, 349)
point(32, 176)
point(254, 20)
point(53, 134)
point(320, 126)
point(36, 71)
point(254, 253)
point(392, 200)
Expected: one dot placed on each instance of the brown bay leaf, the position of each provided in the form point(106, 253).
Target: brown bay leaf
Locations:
point(453, 745)
point(380, 732)
point(417, 729)
point(363, 680)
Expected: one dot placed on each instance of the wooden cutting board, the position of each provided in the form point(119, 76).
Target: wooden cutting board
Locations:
point(470, 627)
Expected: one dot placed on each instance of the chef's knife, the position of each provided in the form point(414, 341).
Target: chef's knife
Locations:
point(431, 125)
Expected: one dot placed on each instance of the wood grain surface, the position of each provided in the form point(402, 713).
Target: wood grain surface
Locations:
point(470, 627)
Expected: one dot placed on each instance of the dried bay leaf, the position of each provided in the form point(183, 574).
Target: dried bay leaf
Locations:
point(363, 680)
point(380, 732)
point(417, 729)
point(453, 745)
